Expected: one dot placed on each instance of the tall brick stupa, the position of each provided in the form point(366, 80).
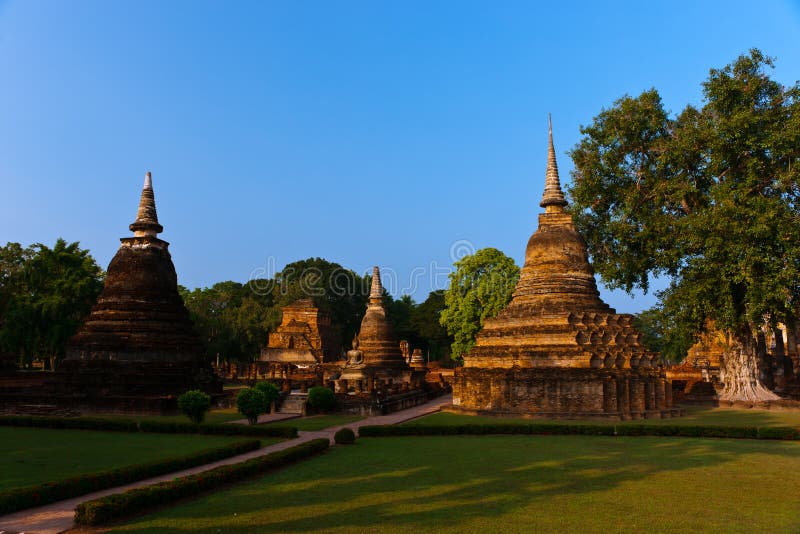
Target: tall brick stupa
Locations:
point(557, 350)
point(137, 350)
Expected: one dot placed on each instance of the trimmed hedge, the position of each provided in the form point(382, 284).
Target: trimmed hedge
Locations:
point(745, 432)
point(132, 425)
point(77, 423)
point(111, 507)
point(230, 429)
point(29, 496)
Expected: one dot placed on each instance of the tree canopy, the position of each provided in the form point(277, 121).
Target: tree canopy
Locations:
point(232, 320)
point(480, 287)
point(707, 198)
point(45, 294)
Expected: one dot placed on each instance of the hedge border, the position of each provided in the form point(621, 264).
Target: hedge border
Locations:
point(134, 425)
point(105, 509)
point(743, 432)
point(16, 499)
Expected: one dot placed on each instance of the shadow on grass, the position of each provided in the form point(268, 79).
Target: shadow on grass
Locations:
point(433, 482)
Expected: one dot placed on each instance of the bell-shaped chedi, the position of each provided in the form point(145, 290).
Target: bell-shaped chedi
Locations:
point(139, 338)
point(557, 349)
point(376, 353)
point(376, 338)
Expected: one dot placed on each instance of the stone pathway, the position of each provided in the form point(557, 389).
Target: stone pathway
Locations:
point(57, 517)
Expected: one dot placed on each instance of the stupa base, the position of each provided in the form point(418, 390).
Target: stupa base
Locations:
point(555, 393)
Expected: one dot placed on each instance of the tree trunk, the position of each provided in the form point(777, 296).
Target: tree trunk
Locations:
point(739, 370)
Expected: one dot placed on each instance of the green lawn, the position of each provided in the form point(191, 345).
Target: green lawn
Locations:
point(34, 455)
point(511, 484)
point(318, 422)
point(694, 416)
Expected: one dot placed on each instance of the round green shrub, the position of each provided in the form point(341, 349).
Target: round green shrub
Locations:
point(321, 399)
point(344, 436)
point(270, 391)
point(251, 403)
point(194, 404)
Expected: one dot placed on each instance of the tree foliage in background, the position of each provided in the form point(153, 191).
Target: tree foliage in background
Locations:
point(269, 390)
point(708, 199)
point(45, 294)
point(664, 333)
point(232, 320)
point(425, 320)
point(480, 287)
point(400, 312)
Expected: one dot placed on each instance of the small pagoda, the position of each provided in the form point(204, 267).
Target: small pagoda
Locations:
point(137, 350)
point(376, 358)
point(557, 350)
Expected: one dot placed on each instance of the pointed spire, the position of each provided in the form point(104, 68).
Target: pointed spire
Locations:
point(376, 291)
point(553, 196)
point(146, 223)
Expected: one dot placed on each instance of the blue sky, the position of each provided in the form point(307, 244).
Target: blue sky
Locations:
point(388, 133)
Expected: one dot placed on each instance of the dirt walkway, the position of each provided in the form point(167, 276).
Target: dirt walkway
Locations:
point(57, 517)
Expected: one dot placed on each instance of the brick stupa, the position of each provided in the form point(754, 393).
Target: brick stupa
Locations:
point(557, 350)
point(137, 350)
point(376, 350)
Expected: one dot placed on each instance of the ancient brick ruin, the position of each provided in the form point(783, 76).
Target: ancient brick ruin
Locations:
point(304, 338)
point(557, 350)
point(299, 351)
point(697, 379)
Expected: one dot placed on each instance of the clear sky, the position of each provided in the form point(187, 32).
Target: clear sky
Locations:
point(388, 133)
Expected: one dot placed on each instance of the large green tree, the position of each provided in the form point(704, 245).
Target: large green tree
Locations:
point(480, 286)
point(45, 294)
point(708, 199)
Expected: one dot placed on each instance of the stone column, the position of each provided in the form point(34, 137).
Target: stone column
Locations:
point(636, 389)
point(668, 392)
point(660, 401)
point(623, 397)
point(610, 396)
point(596, 394)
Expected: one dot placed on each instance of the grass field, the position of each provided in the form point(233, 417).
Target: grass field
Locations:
point(34, 455)
point(694, 416)
point(511, 484)
point(318, 422)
